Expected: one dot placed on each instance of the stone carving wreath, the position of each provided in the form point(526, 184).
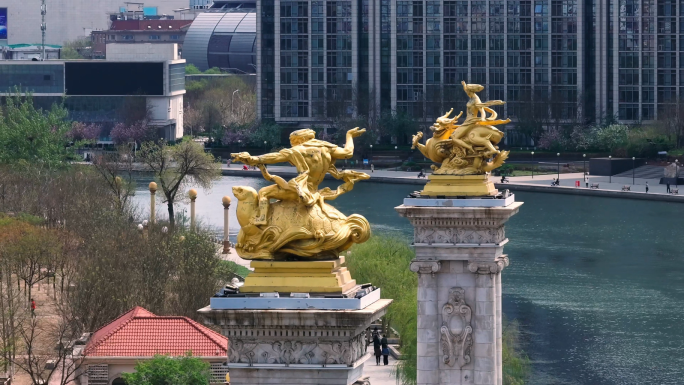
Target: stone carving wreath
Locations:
point(456, 332)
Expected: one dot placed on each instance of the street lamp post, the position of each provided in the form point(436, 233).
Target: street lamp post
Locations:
point(532, 164)
point(558, 161)
point(370, 161)
point(633, 159)
point(584, 166)
point(610, 169)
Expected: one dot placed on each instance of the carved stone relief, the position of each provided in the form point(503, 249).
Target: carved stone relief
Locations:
point(456, 332)
point(456, 236)
point(296, 352)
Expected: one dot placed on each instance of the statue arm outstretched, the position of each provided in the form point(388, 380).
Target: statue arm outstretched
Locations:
point(348, 150)
point(274, 157)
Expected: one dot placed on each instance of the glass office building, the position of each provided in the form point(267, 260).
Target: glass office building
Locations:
point(574, 60)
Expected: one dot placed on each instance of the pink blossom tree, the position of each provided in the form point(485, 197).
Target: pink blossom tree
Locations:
point(137, 132)
point(83, 131)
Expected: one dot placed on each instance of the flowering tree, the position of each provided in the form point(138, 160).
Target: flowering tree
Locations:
point(136, 132)
point(553, 139)
point(234, 135)
point(82, 131)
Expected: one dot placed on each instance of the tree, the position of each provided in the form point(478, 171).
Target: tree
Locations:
point(116, 169)
point(76, 49)
point(193, 120)
point(33, 135)
point(84, 132)
point(136, 132)
point(532, 117)
point(34, 336)
point(31, 250)
point(165, 370)
point(178, 167)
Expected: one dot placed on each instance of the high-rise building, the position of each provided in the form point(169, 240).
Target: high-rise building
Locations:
point(553, 61)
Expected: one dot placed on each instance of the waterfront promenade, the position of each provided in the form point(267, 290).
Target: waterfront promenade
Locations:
point(608, 187)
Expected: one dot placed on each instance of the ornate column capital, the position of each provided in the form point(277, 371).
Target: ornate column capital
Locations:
point(489, 267)
point(425, 267)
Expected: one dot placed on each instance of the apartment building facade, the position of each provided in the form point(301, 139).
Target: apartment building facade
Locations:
point(576, 60)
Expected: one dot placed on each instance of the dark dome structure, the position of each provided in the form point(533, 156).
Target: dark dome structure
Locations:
point(223, 37)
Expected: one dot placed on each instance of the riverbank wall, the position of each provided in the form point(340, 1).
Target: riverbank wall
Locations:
point(501, 186)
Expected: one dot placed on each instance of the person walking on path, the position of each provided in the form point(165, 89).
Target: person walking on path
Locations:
point(646, 187)
point(33, 307)
point(372, 168)
point(668, 187)
point(376, 346)
point(385, 350)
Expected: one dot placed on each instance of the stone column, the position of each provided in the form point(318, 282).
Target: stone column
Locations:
point(459, 259)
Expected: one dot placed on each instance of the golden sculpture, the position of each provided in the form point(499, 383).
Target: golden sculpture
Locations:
point(467, 152)
point(299, 225)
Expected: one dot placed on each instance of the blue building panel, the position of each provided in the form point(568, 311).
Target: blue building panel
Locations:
point(35, 78)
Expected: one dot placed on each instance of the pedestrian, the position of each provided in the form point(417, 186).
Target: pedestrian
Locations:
point(376, 346)
point(33, 307)
point(385, 350)
point(646, 187)
point(668, 187)
point(372, 168)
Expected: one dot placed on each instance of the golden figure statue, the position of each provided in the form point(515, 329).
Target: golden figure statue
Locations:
point(468, 149)
point(299, 225)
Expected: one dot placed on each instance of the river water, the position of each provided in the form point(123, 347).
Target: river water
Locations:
point(597, 284)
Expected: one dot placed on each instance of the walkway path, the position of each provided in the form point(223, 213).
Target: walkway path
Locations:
point(380, 374)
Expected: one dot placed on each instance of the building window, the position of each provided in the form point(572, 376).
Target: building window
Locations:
point(175, 37)
point(155, 37)
point(127, 37)
point(112, 37)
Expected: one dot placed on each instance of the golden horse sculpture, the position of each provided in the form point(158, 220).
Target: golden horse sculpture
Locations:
point(299, 225)
point(466, 148)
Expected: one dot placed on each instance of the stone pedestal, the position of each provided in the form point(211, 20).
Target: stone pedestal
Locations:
point(299, 277)
point(459, 259)
point(296, 347)
point(466, 185)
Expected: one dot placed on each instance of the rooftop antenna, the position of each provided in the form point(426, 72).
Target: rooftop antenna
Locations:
point(43, 26)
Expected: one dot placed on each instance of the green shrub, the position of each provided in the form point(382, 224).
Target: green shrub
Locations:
point(165, 370)
point(191, 69)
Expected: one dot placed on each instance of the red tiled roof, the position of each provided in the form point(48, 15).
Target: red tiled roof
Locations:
point(142, 25)
point(139, 333)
